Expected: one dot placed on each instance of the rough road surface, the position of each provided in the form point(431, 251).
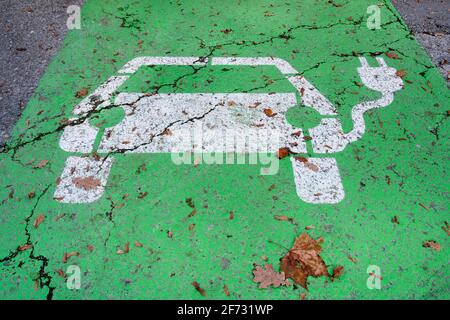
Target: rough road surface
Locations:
point(31, 33)
point(429, 20)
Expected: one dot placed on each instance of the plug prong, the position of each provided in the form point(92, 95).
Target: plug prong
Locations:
point(364, 62)
point(381, 62)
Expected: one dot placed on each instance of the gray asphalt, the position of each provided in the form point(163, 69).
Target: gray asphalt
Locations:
point(32, 32)
point(429, 20)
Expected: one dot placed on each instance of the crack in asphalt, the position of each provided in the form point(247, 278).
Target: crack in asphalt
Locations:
point(285, 35)
point(44, 279)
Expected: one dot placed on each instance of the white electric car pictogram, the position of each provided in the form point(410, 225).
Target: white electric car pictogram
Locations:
point(148, 115)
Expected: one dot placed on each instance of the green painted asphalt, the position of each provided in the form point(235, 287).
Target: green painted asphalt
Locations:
point(395, 177)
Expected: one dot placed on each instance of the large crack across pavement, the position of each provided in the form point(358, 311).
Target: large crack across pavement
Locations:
point(44, 279)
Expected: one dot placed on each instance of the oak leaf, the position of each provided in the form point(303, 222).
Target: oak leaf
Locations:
point(304, 260)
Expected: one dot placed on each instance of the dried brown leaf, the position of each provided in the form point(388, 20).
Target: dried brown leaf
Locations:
point(304, 260)
point(269, 113)
point(268, 277)
point(125, 250)
point(39, 219)
point(225, 289)
point(392, 55)
point(138, 244)
point(283, 153)
point(337, 272)
point(401, 73)
point(198, 288)
point(24, 247)
point(307, 164)
point(432, 245)
point(81, 93)
point(67, 255)
point(41, 164)
point(86, 183)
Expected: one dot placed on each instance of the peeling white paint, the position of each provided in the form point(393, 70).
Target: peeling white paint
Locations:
point(78, 138)
point(359, 125)
point(318, 181)
point(328, 137)
point(146, 118)
point(67, 191)
point(311, 97)
point(100, 98)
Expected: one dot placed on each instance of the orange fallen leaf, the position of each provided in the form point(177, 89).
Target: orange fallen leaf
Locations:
point(392, 55)
point(283, 153)
point(86, 183)
point(138, 244)
point(401, 73)
point(25, 247)
point(269, 113)
point(67, 255)
point(307, 164)
point(198, 288)
point(39, 219)
point(125, 250)
point(225, 289)
point(337, 272)
point(90, 247)
point(41, 164)
point(81, 93)
point(432, 245)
